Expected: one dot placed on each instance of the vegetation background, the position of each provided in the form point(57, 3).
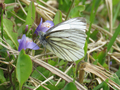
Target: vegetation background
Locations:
point(33, 70)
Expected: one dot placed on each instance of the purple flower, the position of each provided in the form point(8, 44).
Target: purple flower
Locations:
point(26, 28)
point(44, 26)
point(26, 42)
point(110, 62)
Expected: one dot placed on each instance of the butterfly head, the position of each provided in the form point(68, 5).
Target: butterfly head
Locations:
point(42, 38)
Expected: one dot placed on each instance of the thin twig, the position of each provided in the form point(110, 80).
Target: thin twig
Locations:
point(22, 7)
point(65, 72)
point(44, 82)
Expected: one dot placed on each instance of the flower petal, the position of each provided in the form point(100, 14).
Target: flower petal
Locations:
point(22, 43)
point(32, 45)
point(19, 40)
point(44, 26)
point(39, 27)
point(51, 22)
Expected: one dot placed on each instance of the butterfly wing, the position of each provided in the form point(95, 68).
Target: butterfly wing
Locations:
point(67, 39)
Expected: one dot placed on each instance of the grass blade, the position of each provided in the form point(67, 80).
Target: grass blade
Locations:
point(117, 31)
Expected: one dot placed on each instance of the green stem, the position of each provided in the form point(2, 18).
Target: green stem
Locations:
point(69, 10)
point(1, 22)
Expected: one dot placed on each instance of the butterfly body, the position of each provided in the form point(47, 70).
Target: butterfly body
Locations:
point(67, 39)
point(42, 38)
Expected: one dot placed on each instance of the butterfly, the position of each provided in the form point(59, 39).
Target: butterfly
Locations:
point(66, 40)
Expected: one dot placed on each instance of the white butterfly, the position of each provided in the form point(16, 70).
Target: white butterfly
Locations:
point(67, 39)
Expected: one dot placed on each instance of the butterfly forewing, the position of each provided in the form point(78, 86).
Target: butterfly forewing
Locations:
point(67, 39)
point(74, 23)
